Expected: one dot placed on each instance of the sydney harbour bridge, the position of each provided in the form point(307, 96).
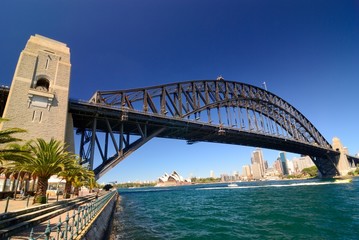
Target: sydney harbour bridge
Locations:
point(116, 123)
point(113, 124)
point(196, 111)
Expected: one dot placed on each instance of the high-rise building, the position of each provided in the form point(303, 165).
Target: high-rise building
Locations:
point(271, 173)
point(246, 172)
point(278, 166)
point(256, 171)
point(283, 160)
point(211, 174)
point(236, 175)
point(225, 177)
point(301, 163)
point(257, 157)
point(290, 166)
point(265, 165)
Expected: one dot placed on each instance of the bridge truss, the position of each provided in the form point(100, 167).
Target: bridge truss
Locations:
point(209, 110)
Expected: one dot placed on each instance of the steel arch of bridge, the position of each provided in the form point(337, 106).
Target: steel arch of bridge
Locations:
point(208, 110)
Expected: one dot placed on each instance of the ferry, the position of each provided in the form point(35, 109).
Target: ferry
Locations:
point(343, 180)
point(232, 185)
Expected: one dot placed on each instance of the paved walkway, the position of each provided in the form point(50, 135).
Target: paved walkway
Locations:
point(19, 204)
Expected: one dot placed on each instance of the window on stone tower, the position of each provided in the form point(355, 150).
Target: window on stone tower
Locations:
point(42, 85)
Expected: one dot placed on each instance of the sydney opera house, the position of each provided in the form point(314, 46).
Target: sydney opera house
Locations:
point(172, 180)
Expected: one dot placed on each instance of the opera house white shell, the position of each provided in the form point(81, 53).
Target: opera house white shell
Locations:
point(171, 180)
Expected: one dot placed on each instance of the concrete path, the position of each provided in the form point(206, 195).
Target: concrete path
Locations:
point(17, 204)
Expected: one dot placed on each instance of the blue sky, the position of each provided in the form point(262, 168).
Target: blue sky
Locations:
point(306, 51)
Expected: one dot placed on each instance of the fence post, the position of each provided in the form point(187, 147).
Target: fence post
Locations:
point(31, 234)
point(66, 225)
point(27, 202)
point(47, 231)
point(91, 210)
point(73, 224)
point(86, 215)
point(7, 203)
point(58, 228)
point(78, 221)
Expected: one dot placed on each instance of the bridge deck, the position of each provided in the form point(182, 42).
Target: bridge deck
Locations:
point(84, 113)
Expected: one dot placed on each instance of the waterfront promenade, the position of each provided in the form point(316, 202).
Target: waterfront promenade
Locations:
point(22, 204)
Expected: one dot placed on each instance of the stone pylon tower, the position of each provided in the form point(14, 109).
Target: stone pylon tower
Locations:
point(39, 93)
point(343, 163)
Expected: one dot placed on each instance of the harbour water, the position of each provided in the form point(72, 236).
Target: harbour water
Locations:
point(306, 209)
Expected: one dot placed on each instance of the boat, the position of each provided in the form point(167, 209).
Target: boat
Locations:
point(345, 180)
point(232, 185)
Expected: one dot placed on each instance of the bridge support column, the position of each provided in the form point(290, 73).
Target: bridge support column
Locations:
point(39, 93)
point(343, 163)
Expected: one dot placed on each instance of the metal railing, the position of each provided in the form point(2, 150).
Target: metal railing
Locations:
point(24, 201)
point(8, 203)
point(73, 225)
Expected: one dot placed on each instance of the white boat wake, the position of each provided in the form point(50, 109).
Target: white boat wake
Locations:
point(274, 185)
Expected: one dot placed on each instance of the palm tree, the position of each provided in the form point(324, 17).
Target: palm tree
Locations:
point(43, 160)
point(83, 180)
point(77, 176)
point(6, 136)
point(15, 153)
point(92, 182)
point(70, 176)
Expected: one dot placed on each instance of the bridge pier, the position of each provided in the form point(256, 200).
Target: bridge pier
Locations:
point(343, 165)
point(39, 93)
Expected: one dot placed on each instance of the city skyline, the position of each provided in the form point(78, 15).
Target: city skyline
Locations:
point(306, 52)
point(301, 162)
point(273, 163)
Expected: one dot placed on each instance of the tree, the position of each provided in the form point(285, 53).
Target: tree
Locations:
point(8, 153)
point(76, 176)
point(43, 160)
point(311, 171)
point(6, 137)
point(107, 187)
point(69, 175)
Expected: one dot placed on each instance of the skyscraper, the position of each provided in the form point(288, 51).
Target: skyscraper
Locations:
point(257, 157)
point(278, 165)
point(246, 172)
point(302, 162)
point(256, 171)
point(283, 159)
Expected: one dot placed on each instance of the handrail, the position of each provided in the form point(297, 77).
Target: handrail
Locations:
point(73, 225)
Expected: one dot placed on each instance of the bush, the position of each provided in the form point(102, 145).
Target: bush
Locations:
point(40, 199)
point(311, 171)
point(107, 187)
